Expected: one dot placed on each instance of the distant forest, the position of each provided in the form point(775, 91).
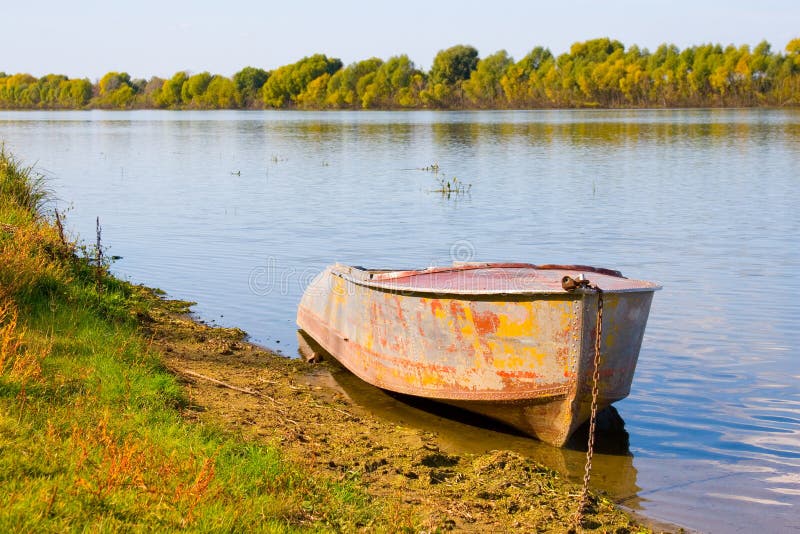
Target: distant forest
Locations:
point(599, 73)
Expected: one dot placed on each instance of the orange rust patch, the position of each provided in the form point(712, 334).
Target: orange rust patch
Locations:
point(486, 322)
point(399, 307)
point(518, 374)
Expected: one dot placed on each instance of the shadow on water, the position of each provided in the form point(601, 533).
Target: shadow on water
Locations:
point(462, 432)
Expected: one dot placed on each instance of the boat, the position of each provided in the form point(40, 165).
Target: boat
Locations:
point(511, 341)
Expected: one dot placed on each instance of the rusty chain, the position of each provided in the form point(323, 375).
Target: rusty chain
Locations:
point(570, 284)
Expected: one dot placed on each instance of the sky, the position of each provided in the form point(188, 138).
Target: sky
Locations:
point(87, 38)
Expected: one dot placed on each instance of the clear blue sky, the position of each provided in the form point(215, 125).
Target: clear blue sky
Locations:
point(160, 37)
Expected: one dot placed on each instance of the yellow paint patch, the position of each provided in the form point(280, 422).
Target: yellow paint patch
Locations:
point(514, 362)
point(468, 324)
point(518, 358)
point(511, 327)
point(369, 340)
point(566, 317)
point(338, 290)
point(429, 379)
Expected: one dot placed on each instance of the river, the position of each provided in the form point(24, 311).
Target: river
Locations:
point(239, 210)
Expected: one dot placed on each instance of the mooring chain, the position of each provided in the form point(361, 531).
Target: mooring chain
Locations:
point(570, 284)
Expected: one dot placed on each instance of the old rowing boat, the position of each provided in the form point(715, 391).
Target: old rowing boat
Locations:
point(511, 341)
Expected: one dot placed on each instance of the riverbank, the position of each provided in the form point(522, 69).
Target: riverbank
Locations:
point(594, 74)
point(268, 397)
point(120, 412)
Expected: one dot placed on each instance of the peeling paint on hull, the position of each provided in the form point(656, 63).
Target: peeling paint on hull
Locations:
point(503, 340)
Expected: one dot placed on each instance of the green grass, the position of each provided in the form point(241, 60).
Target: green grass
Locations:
point(91, 436)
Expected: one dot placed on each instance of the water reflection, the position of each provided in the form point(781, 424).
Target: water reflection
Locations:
point(459, 431)
point(461, 135)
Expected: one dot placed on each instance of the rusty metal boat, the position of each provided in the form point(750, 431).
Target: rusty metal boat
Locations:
point(512, 341)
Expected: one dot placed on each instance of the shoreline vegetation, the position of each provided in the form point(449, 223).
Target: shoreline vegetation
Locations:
point(598, 73)
point(119, 412)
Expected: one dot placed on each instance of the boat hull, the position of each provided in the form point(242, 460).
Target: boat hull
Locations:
point(523, 359)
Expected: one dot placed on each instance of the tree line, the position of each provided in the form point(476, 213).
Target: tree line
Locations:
point(596, 73)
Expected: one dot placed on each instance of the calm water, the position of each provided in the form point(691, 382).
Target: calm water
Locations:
point(238, 211)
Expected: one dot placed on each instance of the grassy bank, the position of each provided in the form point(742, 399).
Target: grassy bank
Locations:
point(91, 435)
point(120, 413)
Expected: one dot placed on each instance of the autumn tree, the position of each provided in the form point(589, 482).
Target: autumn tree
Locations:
point(786, 88)
point(483, 86)
point(287, 82)
point(148, 96)
point(114, 90)
point(220, 94)
point(391, 86)
point(454, 64)
point(450, 68)
point(313, 97)
point(248, 83)
point(346, 86)
point(664, 66)
point(194, 88)
point(761, 71)
point(521, 80)
point(74, 94)
point(16, 93)
point(171, 90)
point(581, 78)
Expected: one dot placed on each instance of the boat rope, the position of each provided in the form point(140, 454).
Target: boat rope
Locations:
point(570, 284)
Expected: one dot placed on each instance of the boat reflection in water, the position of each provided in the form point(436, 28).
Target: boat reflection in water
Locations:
point(460, 431)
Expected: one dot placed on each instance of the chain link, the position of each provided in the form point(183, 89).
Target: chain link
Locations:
point(593, 417)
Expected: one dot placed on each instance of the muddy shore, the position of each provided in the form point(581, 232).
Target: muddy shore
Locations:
point(266, 396)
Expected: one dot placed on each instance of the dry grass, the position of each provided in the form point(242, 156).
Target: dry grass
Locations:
point(32, 257)
point(10, 338)
point(33, 254)
point(23, 184)
point(19, 362)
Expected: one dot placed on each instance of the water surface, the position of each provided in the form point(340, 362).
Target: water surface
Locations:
point(239, 210)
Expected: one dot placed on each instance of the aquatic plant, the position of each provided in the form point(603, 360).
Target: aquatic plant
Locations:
point(452, 187)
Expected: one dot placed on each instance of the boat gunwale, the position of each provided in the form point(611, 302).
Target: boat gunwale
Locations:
point(380, 285)
point(459, 266)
